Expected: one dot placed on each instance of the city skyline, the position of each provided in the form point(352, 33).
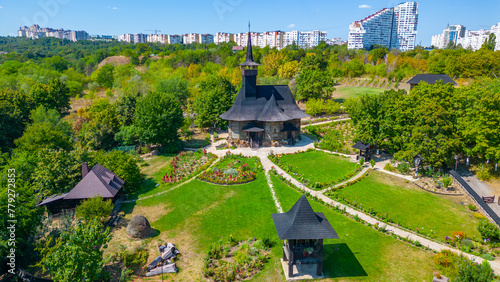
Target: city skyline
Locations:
point(119, 17)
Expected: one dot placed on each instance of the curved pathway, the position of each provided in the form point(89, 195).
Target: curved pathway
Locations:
point(173, 188)
point(495, 265)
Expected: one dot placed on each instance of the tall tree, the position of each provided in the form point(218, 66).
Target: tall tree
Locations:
point(158, 117)
point(216, 97)
point(314, 83)
point(55, 95)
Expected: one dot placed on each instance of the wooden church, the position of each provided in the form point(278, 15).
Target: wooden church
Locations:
point(262, 115)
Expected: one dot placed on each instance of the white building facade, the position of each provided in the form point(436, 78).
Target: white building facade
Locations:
point(474, 40)
point(391, 27)
point(450, 34)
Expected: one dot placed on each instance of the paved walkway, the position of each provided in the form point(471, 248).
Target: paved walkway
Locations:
point(328, 121)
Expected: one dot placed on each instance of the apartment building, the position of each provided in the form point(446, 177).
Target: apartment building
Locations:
point(391, 27)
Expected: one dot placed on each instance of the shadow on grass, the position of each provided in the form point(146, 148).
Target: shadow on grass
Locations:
point(339, 261)
point(148, 184)
point(339, 100)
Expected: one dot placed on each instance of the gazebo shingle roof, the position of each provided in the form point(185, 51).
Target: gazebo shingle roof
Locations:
point(301, 222)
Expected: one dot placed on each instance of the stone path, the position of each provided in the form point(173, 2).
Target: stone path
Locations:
point(328, 121)
point(361, 173)
point(171, 189)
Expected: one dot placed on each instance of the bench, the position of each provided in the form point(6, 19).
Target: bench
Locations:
point(489, 200)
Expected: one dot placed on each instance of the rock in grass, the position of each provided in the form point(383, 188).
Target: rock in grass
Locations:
point(139, 227)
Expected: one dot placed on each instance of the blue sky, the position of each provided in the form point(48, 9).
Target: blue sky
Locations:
point(115, 17)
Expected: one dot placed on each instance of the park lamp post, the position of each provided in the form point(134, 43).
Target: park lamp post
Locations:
point(456, 162)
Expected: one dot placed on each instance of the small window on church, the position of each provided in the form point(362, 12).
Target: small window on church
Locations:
point(275, 130)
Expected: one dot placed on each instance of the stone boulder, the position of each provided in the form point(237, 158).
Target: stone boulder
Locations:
point(139, 227)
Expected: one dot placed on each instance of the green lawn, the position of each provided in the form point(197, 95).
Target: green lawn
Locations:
point(318, 166)
point(342, 93)
point(409, 206)
point(362, 252)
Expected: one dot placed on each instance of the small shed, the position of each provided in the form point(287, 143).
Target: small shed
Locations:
point(364, 150)
point(430, 79)
point(303, 231)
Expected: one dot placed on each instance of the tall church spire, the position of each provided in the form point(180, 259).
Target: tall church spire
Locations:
point(249, 58)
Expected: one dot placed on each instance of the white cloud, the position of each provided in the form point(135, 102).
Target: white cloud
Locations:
point(1, 7)
point(291, 25)
point(364, 6)
point(115, 8)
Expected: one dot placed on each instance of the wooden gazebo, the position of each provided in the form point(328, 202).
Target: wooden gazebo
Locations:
point(364, 150)
point(303, 231)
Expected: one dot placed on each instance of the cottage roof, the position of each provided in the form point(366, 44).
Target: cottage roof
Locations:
point(99, 181)
point(252, 108)
point(52, 199)
point(431, 79)
point(301, 222)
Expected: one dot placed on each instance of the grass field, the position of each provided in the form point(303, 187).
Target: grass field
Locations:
point(409, 206)
point(342, 93)
point(362, 252)
point(318, 166)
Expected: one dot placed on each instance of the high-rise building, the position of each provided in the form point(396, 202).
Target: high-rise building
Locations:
point(224, 37)
point(391, 27)
point(475, 39)
point(450, 34)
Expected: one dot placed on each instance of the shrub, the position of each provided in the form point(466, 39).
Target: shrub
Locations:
point(372, 163)
point(483, 173)
point(94, 208)
point(404, 168)
point(472, 207)
point(470, 271)
point(487, 257)
point(389, 167)
point(488, 230)
point(467, 242)
point(457, 236)
point(361, 161)
point(479, 216)
point(447, 181)
point(443, 259)
point(215, 136)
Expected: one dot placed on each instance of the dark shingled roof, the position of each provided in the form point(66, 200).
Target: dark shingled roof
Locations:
point(99, 181)
point(301, 222)
point(431, 79)
point(52, 198)
point(252, 108)
point(361, 146)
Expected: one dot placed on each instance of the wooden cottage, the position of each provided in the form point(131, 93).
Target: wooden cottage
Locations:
point(99, 181)
point(430, 79)
point(303, 231)
point(262, 114)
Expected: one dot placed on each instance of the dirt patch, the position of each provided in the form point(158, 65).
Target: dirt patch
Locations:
point(115, 61)
point(152, 213)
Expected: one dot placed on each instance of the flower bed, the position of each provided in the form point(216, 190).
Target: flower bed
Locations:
point(232, 169)
point(224, 146)
point(186, 164)
point(229, 260)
